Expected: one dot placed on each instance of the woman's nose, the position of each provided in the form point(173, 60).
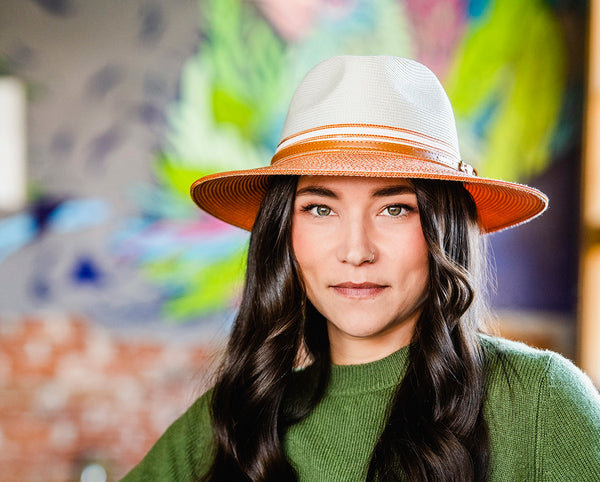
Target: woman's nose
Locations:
point(355, 245)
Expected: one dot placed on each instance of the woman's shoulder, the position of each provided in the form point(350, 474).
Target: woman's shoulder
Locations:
point(532, 371)
point(200, 409)
point(183, 451)
point(524, 360)
point(544, 408)
point(494, 346)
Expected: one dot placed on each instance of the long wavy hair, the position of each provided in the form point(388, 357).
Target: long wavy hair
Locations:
point(435, 430)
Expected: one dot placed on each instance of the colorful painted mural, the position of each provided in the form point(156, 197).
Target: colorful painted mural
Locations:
point(118, 135)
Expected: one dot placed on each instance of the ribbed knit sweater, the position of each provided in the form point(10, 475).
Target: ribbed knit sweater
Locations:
point(543, 416)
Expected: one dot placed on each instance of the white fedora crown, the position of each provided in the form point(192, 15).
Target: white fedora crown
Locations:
point(384, 99)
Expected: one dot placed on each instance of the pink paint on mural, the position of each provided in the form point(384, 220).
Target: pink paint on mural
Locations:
point(438, 27)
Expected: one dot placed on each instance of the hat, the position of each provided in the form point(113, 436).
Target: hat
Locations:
point(369, 116)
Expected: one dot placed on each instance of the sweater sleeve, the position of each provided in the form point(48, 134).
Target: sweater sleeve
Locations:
point(568, 443)
point(184, 452)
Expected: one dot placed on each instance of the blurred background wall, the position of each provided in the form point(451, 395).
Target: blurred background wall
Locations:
point(116, 293)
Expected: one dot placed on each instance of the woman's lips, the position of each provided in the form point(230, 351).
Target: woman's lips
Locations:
point(358, 290)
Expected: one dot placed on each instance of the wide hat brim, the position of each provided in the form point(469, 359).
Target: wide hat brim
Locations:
point(235, 196)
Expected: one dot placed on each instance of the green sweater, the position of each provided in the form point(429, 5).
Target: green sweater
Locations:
point(543, 416)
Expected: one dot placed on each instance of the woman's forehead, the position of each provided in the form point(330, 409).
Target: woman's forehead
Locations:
point(352, 182)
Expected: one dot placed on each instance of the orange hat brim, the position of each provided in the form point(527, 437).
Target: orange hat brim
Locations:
point(235, 196)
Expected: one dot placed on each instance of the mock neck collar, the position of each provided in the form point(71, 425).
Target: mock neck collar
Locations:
point(369, 377)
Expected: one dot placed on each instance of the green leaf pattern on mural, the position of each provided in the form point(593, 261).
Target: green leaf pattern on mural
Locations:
point(506, 87)
point(205, 289)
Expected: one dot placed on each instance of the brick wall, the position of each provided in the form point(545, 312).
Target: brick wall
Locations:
point(72, 394)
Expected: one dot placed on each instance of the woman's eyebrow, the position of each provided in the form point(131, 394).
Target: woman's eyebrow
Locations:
point(318, 190)
point(393, 191)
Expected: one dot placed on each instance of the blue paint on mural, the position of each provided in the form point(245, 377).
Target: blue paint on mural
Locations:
point(15, 232)
point(104, 80)
point(103, 145)
point(73, 215)
point(148, 241)
point(477, 8)
point(485, 116)
point(87, 272)
point(151, 115)
point(53, 215)
point(40, 288)
point(151, 23)
point(56, 7)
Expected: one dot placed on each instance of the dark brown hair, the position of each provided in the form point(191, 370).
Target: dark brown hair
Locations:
point(435, 430)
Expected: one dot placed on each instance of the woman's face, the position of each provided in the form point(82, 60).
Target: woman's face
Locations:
point(364, 261)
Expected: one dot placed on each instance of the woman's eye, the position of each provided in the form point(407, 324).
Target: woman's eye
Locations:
point(396, 210)
point(321, 210)
point(318, 210)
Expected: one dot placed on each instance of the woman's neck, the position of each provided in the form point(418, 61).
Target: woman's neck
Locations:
point(350, 350)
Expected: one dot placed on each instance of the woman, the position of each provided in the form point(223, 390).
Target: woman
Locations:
point(357, 351)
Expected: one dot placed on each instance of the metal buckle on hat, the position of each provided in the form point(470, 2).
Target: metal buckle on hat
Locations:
point(466, 168)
